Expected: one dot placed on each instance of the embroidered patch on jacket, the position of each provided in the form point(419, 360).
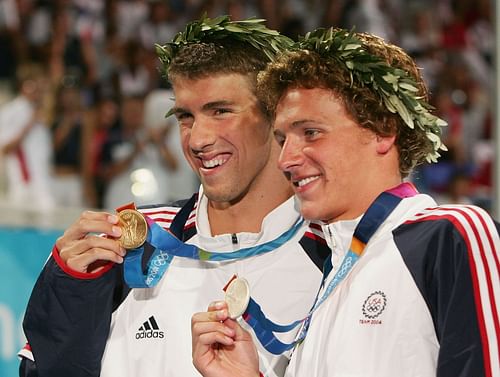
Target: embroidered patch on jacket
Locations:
point(373, 306)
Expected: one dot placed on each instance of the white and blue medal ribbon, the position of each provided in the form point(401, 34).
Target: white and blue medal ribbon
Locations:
point(167, 246)
point(264, 329)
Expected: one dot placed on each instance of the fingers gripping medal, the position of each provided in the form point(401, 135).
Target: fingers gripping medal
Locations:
point(134, 228)
point(237, 297)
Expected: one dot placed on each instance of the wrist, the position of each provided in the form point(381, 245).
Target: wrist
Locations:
point(77, 274)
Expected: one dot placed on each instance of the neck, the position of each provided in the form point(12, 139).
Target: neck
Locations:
point(268, 191)
point(366, 199)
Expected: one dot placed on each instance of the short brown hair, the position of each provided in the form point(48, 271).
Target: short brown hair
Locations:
point(203, 59)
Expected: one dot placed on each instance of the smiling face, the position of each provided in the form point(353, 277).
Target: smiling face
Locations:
point(336, 167)
point(225, 138)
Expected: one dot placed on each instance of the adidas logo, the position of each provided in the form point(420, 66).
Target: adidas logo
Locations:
point(149, 329)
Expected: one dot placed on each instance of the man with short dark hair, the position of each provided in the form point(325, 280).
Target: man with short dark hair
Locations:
point(82, 321)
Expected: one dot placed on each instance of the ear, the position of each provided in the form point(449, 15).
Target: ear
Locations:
point(385, 143)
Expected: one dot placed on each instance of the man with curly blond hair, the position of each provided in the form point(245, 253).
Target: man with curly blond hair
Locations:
point(411, 288)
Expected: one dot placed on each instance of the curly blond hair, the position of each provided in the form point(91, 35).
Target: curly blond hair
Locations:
point(310, 69)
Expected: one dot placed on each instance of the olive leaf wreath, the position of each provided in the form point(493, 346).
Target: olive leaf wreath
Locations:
point(397, 89)
point(252, 31)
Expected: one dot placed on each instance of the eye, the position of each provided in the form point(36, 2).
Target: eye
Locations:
point(221, 111)
point(311, 133)
point(183, 115)
point(184, 119)
point(280, 139)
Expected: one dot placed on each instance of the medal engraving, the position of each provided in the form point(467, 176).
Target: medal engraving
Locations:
point(134, 228)
point(237, 297)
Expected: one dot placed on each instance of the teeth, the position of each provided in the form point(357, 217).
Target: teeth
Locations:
point(305, 181)
point(213, 163)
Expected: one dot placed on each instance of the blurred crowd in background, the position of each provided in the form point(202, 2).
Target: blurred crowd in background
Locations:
point(83, 102)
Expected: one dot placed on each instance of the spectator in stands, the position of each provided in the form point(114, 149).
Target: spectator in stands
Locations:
point(25, 141)
point(134, 79)
point(182, 178)
point(136, 160)
point(105, 118)
point(70, 137)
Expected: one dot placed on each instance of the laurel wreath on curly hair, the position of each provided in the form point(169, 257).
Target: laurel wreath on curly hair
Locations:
point(397, 89)
point(252, 31)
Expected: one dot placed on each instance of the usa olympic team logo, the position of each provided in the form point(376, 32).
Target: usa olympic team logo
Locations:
point(374, 305)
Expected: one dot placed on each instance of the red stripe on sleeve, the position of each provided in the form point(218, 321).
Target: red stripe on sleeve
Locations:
point(475, 278)
point(77, 274)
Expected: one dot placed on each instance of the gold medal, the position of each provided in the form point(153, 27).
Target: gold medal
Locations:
point(134, 228)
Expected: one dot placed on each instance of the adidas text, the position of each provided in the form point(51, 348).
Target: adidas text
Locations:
point(149, 334)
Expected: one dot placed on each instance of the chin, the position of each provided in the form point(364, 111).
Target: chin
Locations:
point(218, 196)
point(222, 194)
point(310, 211)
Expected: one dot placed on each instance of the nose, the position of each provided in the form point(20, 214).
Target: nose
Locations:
point(202, 135)
point(290, 156)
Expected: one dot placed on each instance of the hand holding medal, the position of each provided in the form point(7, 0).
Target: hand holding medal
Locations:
point(91, 244)
point(218, 337)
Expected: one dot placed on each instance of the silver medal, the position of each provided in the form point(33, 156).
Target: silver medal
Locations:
point(237, 297)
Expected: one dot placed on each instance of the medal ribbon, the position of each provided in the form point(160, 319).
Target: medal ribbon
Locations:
point(166, 246)
point(376, 214)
